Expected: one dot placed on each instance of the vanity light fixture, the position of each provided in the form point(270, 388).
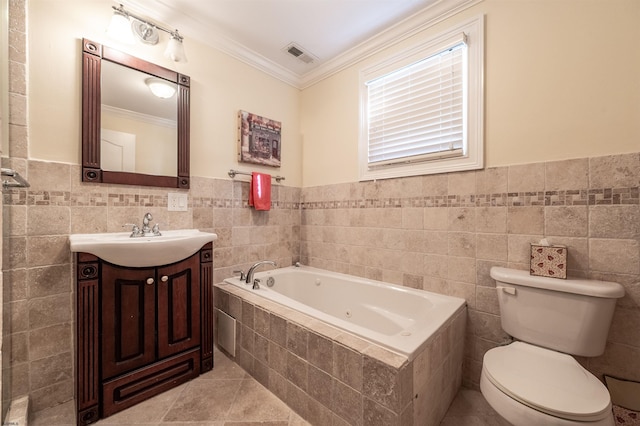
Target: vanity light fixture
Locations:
point(160, 88)
point(125, 24)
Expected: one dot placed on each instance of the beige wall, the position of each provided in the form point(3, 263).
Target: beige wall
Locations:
point(220, 86)
point(561, 81)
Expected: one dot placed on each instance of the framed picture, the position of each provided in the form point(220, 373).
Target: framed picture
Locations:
point(259, 140)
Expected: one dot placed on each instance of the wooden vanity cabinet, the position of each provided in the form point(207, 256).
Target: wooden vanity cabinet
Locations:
point(141, 331)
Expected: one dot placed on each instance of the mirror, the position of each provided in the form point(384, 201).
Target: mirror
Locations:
point(129, 135)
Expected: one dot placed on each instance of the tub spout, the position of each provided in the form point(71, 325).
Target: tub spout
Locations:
point(251, 270)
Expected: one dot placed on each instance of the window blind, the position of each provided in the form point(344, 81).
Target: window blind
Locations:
point(416, 113)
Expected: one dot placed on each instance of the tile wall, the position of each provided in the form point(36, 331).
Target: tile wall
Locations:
point(440, 233)
point(444, 232)
point(38, 265)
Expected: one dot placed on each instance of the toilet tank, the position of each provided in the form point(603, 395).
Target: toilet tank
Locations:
point(571, 316)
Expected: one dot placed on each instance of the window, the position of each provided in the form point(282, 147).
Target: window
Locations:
point(422, 110)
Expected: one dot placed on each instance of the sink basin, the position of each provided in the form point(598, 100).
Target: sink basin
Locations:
point(120, 249)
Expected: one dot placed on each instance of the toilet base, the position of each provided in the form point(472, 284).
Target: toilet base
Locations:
point(519, 414)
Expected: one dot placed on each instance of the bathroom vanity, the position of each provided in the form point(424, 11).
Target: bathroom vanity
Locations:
point(140, 330)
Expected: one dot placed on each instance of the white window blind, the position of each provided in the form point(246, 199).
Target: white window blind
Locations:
point(416, 113)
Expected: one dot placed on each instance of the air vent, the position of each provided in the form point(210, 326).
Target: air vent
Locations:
point(299, 53)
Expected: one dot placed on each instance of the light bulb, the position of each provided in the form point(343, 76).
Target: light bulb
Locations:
point(120, 27)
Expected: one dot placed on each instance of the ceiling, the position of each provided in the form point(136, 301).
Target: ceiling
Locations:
point(329, 32)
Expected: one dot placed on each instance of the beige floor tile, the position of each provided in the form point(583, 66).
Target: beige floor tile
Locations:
point(228, 396)
point(256, 403)
point(150, 411)
point(204, 400)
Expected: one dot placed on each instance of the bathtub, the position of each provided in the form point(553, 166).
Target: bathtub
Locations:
point(397, 318)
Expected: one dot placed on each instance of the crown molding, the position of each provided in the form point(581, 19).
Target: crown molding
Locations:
point(425, 18)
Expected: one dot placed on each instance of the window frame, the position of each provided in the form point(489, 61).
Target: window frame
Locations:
point(473, 156)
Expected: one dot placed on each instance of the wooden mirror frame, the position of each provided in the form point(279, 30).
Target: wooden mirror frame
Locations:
point(92, 56)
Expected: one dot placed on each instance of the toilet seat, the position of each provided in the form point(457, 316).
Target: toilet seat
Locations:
point(547, 381)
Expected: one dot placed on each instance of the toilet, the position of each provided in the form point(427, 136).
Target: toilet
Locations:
point(535, 380)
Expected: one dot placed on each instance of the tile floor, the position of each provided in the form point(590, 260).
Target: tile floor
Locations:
point(228, 396)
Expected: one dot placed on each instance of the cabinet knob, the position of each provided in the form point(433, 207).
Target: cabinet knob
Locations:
point(164, 278)
point(149, 281)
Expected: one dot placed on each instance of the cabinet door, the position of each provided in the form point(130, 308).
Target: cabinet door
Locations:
point(179, 306)
point(128, 318)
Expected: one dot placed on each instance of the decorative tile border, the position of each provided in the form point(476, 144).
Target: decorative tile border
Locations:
point(580, 197)
point(16, 197)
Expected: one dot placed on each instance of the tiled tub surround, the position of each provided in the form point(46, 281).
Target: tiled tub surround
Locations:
point(329, 376)
point(398, 318)
point(383, 230)
point(443, 233)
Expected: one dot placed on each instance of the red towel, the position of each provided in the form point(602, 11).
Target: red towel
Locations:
point(260, 191)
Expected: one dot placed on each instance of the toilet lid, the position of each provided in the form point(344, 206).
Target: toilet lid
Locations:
point(547, 381)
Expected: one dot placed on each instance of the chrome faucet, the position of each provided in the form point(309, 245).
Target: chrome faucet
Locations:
point(251, 270)
point(145, 223)
point(136, 231)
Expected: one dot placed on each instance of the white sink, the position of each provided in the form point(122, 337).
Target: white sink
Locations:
point(120, 249)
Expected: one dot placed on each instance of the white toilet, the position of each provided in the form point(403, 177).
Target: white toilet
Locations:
point(533, 381)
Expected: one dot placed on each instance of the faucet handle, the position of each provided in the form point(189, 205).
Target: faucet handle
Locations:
point(256, 284)
point(242, 276)
point(156, 230)
point(135, 229)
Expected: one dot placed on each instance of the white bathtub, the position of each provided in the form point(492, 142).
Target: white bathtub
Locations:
point(398, 318)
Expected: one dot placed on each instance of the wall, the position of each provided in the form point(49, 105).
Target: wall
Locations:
point(220, 87)
point(553, 89)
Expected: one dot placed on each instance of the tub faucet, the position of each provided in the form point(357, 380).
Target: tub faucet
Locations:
point(251, 270)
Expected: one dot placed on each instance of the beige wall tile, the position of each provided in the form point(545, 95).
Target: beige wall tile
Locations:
point(567, 174)
point(433, 185)
point(48, 220)
point(577, 253)
point(492, 180)
point(483, 268)
point(89, 220)
point(566, 221)
point(46, 311)
point(520, 247)
point(625, 326)
point(436, 219)
point(436, 265)
point(347, 366)
point(617, 221)
point(54, 369)
point(487, 300)
point(462, 269)
point(615, 171)
point(492, 247)
point(45, 176)
point(14, 220)
point(525, 220)
point(617, 256)
point(461, 219)
point(461, 183)
point(618, 361)
point(48, 341)
point(462, 244)
point(526, 178)
point(491, 219)
point(48, 250)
